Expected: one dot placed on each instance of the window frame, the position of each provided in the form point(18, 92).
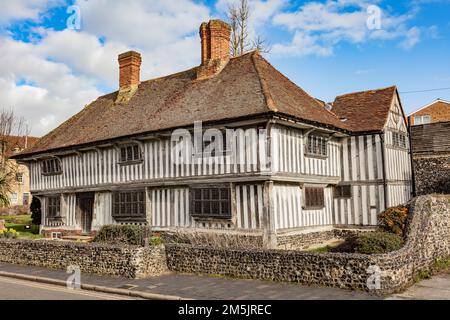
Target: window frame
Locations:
point(422, 120)
point(136, 156)
point(51, 167)
point(227, 148)
point(208, 202)
point(19, 177)
point(399, 140)
point(342, 194)
point(53, 204)
point(124, 199)
point(26, 195)
point(315, 142)
point(318, 203)
point(14, 195)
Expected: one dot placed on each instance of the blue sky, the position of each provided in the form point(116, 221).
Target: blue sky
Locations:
point(48, 71)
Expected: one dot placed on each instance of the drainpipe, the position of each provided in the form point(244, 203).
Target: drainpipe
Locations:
point(413, 174)
point(383, 155)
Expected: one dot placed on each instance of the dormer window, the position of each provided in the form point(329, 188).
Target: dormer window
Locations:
point(130, 154)
point(51, 167)
point(317, 146)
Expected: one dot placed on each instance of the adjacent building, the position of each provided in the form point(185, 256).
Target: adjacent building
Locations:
point(282, 162)
point(435, 112)
point(430, 139)
point(20, 196)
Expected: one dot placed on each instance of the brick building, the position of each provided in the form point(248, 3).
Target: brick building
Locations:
point(437, 111)
point(20, 196)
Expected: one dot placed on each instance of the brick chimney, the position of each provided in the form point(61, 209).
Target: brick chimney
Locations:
point(130, 75)
point(215, 36)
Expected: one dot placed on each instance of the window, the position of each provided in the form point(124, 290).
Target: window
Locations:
point(399, 140)
point(130, 153)
point(419, 120)
point(211, 202)
point(317, 146)
point(54, 207)
point(26, 199)
point(343, 192)
point(14, 198)
point(51, 166)
point(215, 148)
point(19, 177)
point(129, 206)
point(314, 198)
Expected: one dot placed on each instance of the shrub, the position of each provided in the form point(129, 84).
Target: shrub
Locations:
point(216, 240)
point(376, 242)
point(393, 220)
point(35, 209)
point(123, 234)
point(9, 234)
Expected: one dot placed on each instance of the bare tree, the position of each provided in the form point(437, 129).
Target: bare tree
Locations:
point(12, 130)
point(261, 44)
point(11, 125)
point(233, 18)
point(239, 16)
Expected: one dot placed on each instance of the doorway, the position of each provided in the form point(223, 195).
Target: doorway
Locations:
point(86, 206)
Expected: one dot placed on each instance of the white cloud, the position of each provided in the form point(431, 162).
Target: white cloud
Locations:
point(61, 72)
point(412, 38)
point(261, 13)
point(325, 24)
point(13, 10)
point(302, 44)
point(142, 23)
point(51, 90)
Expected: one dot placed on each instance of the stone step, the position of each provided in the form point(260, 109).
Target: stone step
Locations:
point(78, 238)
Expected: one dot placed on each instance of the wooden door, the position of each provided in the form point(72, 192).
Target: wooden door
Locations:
point(86, 207)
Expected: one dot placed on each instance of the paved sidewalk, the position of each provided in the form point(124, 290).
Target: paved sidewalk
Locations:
point(436, 288)
point(202, 287)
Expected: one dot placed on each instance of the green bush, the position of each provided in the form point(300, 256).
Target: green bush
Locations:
point(393, 220)
point(376, 242)
point(123, 234)
point(35, 209)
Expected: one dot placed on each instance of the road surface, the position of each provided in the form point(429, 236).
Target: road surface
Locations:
point(12, 289)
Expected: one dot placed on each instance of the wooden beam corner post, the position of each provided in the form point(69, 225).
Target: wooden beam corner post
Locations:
point(268, 219)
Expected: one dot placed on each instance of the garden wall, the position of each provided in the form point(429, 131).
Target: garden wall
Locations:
point(124, 261)
point(428, 239)
point(432, 174)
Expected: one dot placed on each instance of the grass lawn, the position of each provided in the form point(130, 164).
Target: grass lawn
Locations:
point(19, 224)
point(22, 219)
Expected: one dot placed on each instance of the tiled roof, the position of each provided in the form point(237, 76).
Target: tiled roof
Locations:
point(12, 143)
point(247, 86)
point(366, 110)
